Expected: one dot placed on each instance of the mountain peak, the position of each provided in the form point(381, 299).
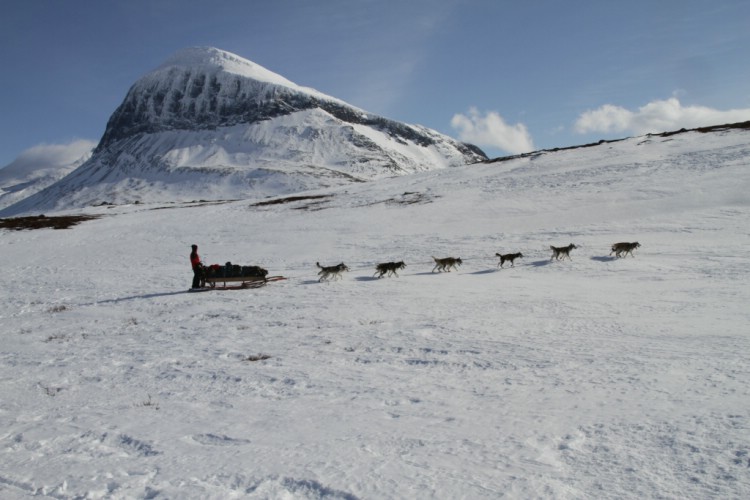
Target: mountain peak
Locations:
point(212, 60)
point(206, 87)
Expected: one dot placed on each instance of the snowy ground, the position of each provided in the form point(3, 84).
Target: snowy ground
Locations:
point(590, 378)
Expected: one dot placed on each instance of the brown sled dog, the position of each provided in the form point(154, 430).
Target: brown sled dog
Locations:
point(446, 263)
point(561, 252)
point(331, 271)
point(624, 248)
point(389, 267)
point(509, 257)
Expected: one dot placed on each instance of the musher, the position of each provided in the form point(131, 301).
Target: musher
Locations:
point(199, 279)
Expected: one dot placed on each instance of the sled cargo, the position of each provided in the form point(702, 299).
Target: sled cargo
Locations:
point(235, 277)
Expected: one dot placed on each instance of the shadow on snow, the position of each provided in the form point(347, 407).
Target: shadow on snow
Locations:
point(604, 258)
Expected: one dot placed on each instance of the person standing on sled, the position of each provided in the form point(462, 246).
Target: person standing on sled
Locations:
point(198, 274)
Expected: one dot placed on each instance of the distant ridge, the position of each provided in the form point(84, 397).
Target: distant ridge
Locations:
point(712, 128)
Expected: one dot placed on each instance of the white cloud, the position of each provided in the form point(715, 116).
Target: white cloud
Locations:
point(654, 117)
point(491, 130)
point(49, 157)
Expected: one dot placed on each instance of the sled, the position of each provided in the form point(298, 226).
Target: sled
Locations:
point(239, 282)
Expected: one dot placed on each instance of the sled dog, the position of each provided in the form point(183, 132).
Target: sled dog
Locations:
point(327, 272)
point(446, 263)
point(389, 267)
point(561, 252)
point(624, 248)
point(509, 257)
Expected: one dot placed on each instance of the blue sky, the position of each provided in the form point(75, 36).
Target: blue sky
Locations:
point(509, 76)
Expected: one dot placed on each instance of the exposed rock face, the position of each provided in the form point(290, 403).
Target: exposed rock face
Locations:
point(209, 124)
point(206, 97)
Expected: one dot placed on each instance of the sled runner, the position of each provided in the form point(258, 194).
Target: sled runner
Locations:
point(239, 282)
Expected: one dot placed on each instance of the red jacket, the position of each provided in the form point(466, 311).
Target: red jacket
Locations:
point(194, 259)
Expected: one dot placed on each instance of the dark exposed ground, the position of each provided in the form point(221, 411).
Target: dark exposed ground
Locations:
point(44, 222)
point(290, 199)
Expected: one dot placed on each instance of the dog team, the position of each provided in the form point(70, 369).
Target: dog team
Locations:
point(326, 273)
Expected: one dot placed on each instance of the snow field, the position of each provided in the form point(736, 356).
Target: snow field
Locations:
point(586, 378)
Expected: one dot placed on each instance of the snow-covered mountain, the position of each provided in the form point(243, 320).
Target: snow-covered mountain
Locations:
point(39, 167)
point(208, 124)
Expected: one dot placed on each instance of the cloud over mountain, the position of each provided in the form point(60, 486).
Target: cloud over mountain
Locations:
point(656, 116)
point(491, 130)
point(40, 166)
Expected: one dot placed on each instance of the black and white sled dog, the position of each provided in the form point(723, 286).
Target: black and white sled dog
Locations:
point(624, 248)
point(389, 267)
point(508, 257)
point(446, 263)
point(327, 272)
point(561, 252)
